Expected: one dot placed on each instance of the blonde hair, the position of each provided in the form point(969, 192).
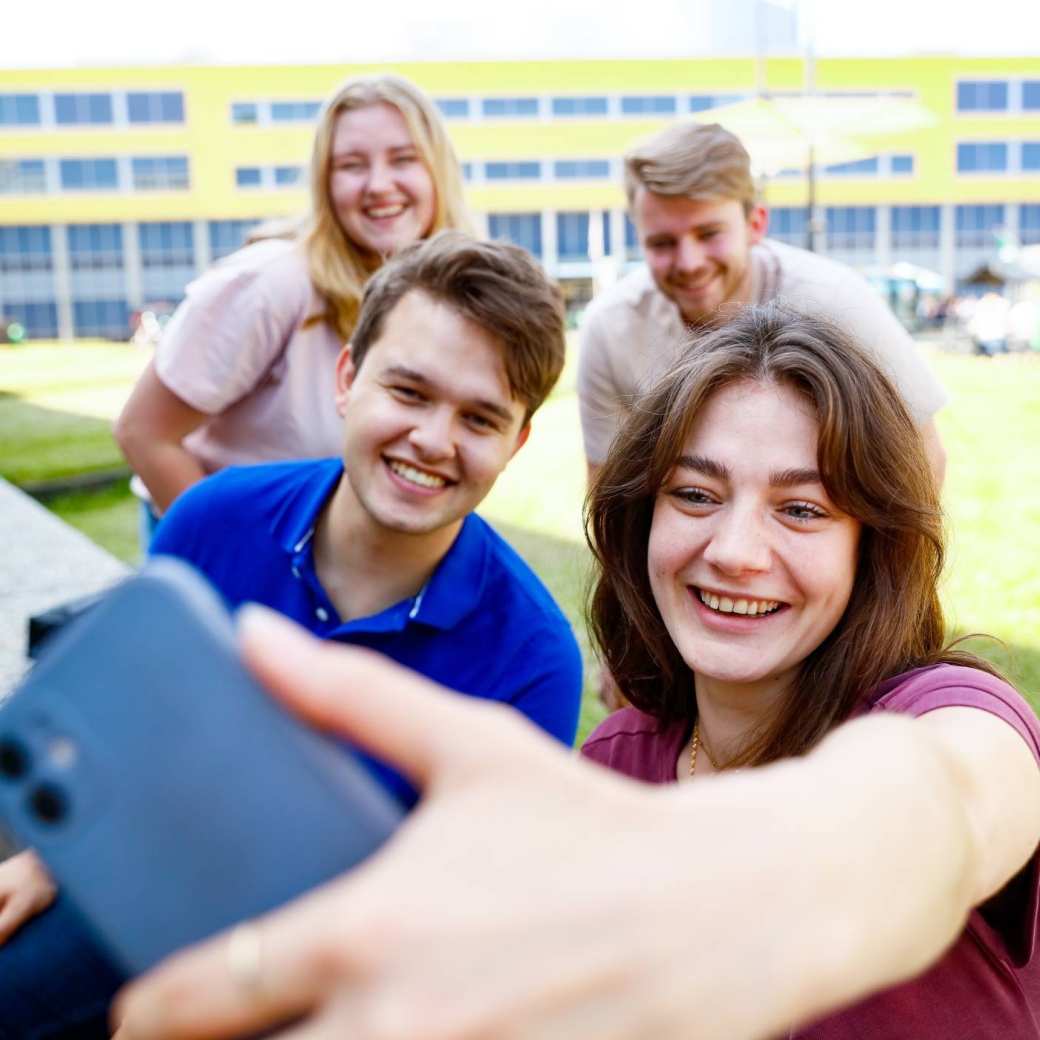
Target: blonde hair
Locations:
point(693, 160)
point(337, 268)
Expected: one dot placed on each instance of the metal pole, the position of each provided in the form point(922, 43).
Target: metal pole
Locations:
point(812, 222)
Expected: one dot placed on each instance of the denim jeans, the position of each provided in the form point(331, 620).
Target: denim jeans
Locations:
point(55, 981)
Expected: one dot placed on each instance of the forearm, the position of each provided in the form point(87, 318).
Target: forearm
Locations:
point(167, 468)
point(856, 865)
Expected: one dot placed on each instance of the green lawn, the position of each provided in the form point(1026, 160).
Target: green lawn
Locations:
point(56, 403)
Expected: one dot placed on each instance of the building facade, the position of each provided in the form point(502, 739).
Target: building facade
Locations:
point(119, 185)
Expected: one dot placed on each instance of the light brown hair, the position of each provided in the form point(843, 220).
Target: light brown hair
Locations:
point(873, 466)
point(497, 286)
point(337, 268)
point(693, 160)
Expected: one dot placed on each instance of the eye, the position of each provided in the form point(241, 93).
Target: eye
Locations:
point(480, 422)
point(804, 511)
point(349, 165)
point(407, 393)
point(404, 159)
point(693, 496)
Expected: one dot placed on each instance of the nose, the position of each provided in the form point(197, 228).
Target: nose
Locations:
point(739, 542)
point(380, 177)
point(432, 436)
point(690, 254)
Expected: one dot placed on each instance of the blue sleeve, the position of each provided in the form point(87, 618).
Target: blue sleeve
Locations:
point(549, 667)
point(181, 531)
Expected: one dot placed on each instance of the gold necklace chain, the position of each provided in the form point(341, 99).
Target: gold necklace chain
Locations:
point(695, 744)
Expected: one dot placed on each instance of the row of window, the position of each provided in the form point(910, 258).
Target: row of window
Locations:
point(998, 95)
point(92, 108)
point(266, 177)
point(141, 173)
point(998, 156)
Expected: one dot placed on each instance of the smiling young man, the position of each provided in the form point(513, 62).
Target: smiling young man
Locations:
point(694, 203)
point(457, 344)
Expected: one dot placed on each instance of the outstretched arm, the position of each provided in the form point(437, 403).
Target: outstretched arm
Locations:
point(532, 895)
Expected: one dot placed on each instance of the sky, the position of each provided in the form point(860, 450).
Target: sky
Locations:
point(132, 32)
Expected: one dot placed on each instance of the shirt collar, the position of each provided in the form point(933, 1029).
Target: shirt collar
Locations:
point(453, 590)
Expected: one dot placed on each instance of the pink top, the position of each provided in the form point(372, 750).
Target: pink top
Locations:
point(236, 350)
point(988, 983)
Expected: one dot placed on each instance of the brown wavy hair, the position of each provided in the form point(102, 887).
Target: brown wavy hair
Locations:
point(873, 466)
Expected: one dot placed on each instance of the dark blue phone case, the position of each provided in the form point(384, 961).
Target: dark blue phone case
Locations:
point(186, 798)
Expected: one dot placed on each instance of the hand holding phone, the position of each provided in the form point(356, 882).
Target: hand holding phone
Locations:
point(167, 794)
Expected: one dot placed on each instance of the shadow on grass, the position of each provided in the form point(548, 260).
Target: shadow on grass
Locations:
point(42, 444)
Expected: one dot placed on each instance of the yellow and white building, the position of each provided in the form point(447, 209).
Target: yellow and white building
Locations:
point(118, 185)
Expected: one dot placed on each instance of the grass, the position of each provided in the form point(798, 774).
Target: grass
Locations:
point(56, 403)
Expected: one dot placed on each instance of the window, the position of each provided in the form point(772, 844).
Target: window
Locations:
point(1031, 95)
point(156, 107)
point(572, 236)
point(915, 227)
point(982, 95)
point(160, 173)
point(25, 248)
point(606, 234)
point(703, 102)
point(244, 112)
point(95, 247)
point(579, 106)
point(225, 236)
point(788, 224)
point(108, 318)
point(294, 111)
point(88, 174)
point(453, 108)
point(288, 176)
point(19, 110)
point(851, 227)
point(982, 157)
point(857, 168)
point(39, 319)
point(22, 177)
point(1031, 155)
point(522, 229)
point(1029, 224)
point(166, 244)
point(467, 171)
point(79, 109)
point(647, 105)
point(510, 108)
point(512, 171)
point(247, 177)
point(633, 247)
point(976, 225)
point(582, 169)
point(902, 165)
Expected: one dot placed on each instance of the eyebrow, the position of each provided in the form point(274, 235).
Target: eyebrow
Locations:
point(403, 372)
point(785, 478)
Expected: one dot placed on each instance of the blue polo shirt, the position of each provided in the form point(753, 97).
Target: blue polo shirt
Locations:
point(483, 624)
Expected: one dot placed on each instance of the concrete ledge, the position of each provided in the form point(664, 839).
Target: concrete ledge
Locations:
point(44, 562)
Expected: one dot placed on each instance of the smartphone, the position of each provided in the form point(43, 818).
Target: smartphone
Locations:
point(169, 795)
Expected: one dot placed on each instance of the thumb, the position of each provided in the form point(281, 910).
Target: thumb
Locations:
point(388, 710)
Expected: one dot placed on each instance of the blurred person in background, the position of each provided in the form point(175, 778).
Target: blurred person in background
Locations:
point(245, 369)
point(703, 231)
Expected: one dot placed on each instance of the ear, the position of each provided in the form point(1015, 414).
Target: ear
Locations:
point(345, 373)
point(758, 223)
point(521, 438)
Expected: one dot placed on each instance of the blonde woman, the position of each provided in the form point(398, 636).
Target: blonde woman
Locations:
point(244, 372)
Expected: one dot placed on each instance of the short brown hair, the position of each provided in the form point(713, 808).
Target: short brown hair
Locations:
point(496, 285)
point(693, 160)
point(872, 463)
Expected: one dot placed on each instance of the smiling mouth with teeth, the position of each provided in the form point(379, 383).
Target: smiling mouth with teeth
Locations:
point(416, 476)
point(746, 607)
point(383, 212)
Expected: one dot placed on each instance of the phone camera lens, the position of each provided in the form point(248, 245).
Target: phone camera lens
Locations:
point(48, 804)
point(14, 759)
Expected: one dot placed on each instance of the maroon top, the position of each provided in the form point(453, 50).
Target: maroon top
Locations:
point(988, 984)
